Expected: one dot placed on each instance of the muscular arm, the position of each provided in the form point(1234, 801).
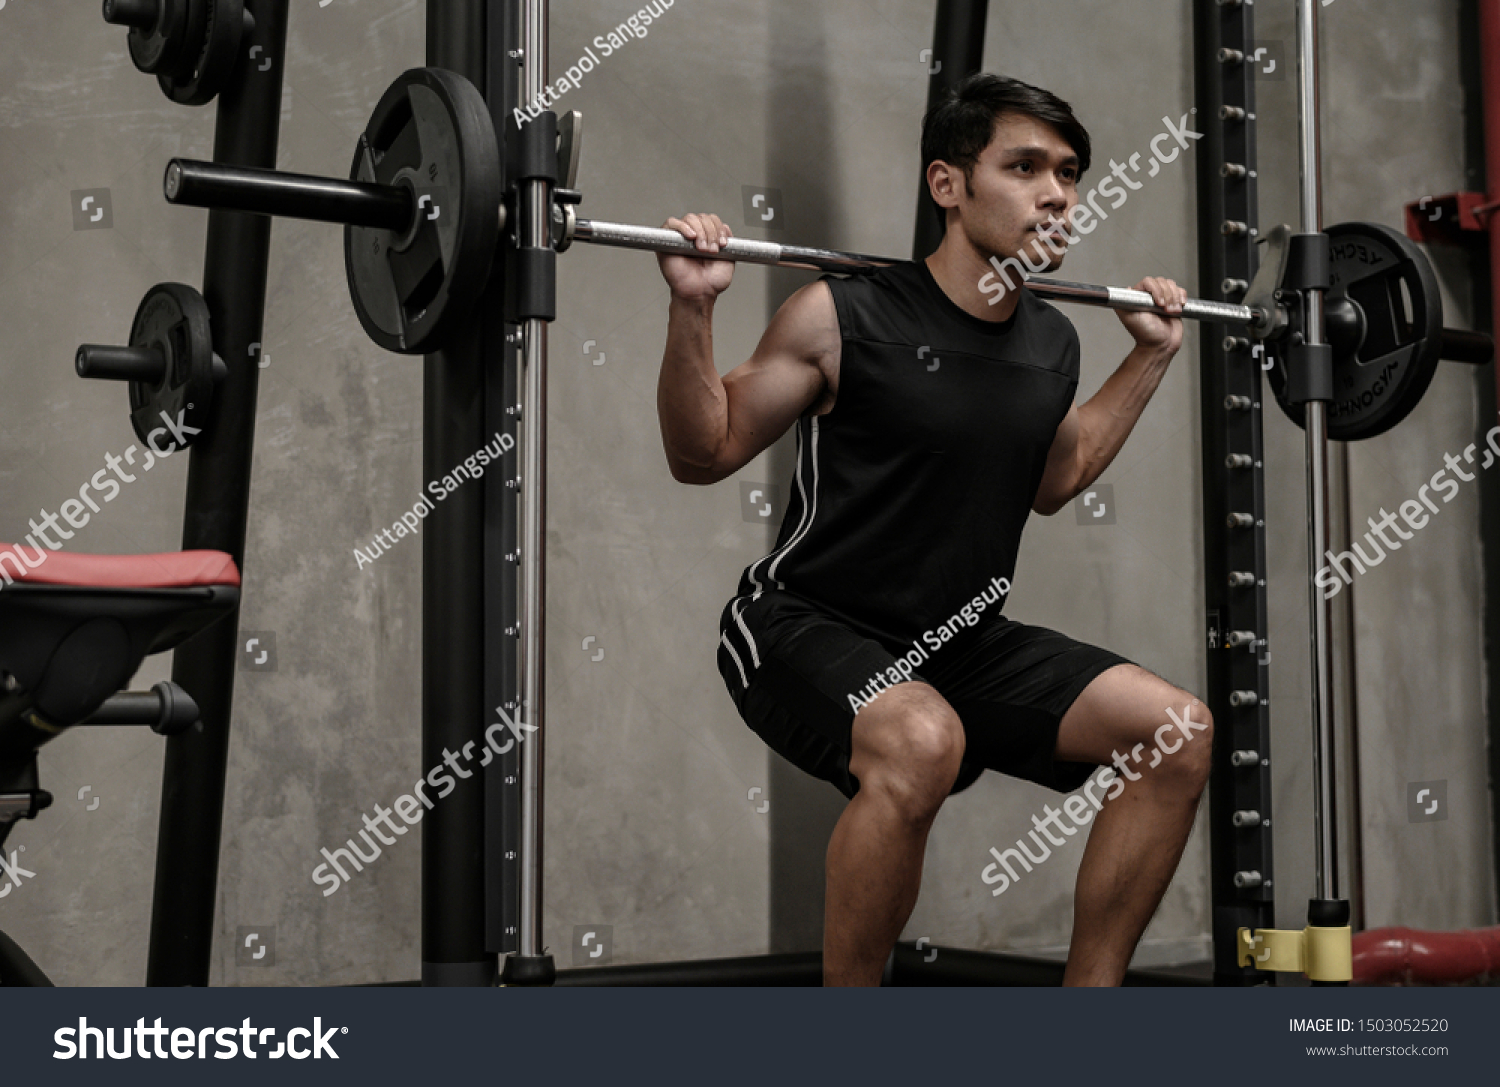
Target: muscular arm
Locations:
point(1092, 435)
point(711, 427)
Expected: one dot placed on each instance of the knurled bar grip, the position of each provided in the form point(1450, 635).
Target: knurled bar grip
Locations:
point(1125, 298)
point(741, 250)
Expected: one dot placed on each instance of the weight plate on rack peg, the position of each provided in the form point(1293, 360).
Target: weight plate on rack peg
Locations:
point(214, 54)
point(173, 320)
point(433, 134)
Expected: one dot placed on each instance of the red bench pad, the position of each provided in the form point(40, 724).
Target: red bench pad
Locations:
point(175, 570)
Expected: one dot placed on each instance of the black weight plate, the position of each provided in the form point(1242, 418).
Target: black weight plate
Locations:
point(195, 31)
point(1380, 380)
point(173, 319)
point(207, 67)
point(158, 49)
point(431, 132)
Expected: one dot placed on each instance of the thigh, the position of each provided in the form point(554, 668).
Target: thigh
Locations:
point(1130, 712)
point(796, 675)
point(1012, 685)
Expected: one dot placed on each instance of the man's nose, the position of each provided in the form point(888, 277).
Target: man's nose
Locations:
point(1055, 193)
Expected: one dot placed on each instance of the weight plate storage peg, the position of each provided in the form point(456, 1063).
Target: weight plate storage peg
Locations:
point(170, 364)
point(432, 134)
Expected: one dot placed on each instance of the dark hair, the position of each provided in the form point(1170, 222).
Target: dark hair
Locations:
point(961, 126)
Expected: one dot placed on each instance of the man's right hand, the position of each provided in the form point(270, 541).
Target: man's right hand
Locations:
point(690, 278)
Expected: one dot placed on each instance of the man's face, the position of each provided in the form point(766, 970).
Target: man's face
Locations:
point(1018, 194)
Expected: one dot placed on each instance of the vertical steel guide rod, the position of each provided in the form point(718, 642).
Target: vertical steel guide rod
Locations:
point(536, 230)
point(1325, 843)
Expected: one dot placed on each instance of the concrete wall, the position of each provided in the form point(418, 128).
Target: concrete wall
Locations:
point(651, 824)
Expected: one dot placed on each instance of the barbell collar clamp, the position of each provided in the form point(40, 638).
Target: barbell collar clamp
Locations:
point(1309, 371)
point(1309, 263)
point(537, 153)
point(531, 284)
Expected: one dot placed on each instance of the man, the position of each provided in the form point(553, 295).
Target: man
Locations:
point(934, 410)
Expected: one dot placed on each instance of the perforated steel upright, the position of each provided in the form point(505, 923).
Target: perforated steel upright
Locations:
point(1234, 538)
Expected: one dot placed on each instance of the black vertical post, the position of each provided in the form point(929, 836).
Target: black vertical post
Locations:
point(957, 52)
point(218, 497)
point(454, 422)
point(1234, 561)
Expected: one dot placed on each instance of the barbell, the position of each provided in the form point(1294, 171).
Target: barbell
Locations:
point(424, 211)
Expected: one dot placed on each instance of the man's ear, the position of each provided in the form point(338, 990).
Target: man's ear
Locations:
point(942, 182)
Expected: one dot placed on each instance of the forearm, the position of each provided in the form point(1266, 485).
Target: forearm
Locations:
point(691, 403)
point(1107, 419)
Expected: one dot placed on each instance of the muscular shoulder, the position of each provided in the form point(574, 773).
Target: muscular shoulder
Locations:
point(807, 327)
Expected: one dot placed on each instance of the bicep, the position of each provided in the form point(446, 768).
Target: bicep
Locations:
point(785, 376)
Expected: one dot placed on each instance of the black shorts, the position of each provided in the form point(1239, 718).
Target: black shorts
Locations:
point(791, 669)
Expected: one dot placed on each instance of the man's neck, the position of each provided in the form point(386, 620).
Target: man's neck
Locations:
point(958, 270)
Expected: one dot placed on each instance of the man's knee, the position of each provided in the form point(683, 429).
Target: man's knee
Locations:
point(910, 751)
point(1186, 740)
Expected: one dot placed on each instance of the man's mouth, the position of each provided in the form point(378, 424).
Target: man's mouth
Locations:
point(1053, 230)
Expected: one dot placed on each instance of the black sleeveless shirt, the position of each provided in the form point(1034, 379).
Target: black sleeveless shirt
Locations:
point(910, 495)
